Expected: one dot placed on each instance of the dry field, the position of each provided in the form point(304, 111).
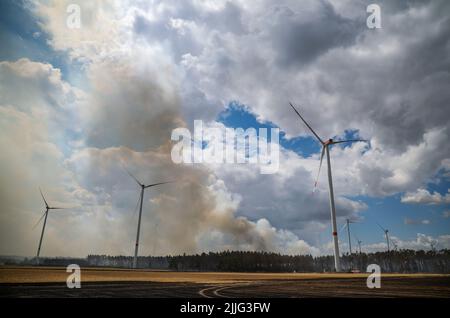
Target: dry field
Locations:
point(108, 282)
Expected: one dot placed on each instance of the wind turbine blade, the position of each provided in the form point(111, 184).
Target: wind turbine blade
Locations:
point(391, 241)
point(137, 203)
point(320, 166)
point(155, 184)
point(384, 230)
point(39, 221)
point(131, 175)
point(43, 198)
point(350, 140)
point(50, 208)
point(343, 227)
point(317, 136)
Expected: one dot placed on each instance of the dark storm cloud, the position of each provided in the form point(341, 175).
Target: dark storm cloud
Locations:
point(299, 40)
point(418, 80)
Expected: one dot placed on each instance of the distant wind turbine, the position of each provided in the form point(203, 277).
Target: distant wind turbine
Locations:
point(359, 244)
point(433, 245)
point(357, 241)
point(325, 149)
point(47, 209)
point(143, 187)
point(395, 245)
point(347, 224)
point(386, 234)
point(359, 261)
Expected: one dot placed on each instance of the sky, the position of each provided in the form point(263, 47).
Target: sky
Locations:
point(80, 105)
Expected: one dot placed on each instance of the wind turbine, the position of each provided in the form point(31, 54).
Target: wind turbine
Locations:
point(433, 245)
point(347, 224)
point(359, 243)
point(143, 187)
point(359, 247)
point(395, 245)
point(325, 149)
point(47, 209)
point(386, 234)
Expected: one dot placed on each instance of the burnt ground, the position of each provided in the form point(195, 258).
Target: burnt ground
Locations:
point(102, 289)
point(348, 287)
point(326, 287)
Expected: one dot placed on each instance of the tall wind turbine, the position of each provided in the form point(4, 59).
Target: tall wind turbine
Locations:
point(325, 149)
point(347, 224)
point(386, 234)
point(143, 187)
point(47, 209)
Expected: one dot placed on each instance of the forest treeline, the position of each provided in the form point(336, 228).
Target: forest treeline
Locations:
point(401, 261)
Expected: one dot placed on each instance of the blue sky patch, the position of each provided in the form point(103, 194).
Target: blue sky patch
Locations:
point(26, 39)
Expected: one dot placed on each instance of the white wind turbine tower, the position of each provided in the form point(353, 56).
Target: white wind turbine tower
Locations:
point(143, 187)
point(359, 244)
point(358, 241)
point(347, 224)
point(47, 209)
point(386, 234)
point(325, 149)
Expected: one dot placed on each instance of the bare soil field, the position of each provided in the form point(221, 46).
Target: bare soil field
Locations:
point(108, 282)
